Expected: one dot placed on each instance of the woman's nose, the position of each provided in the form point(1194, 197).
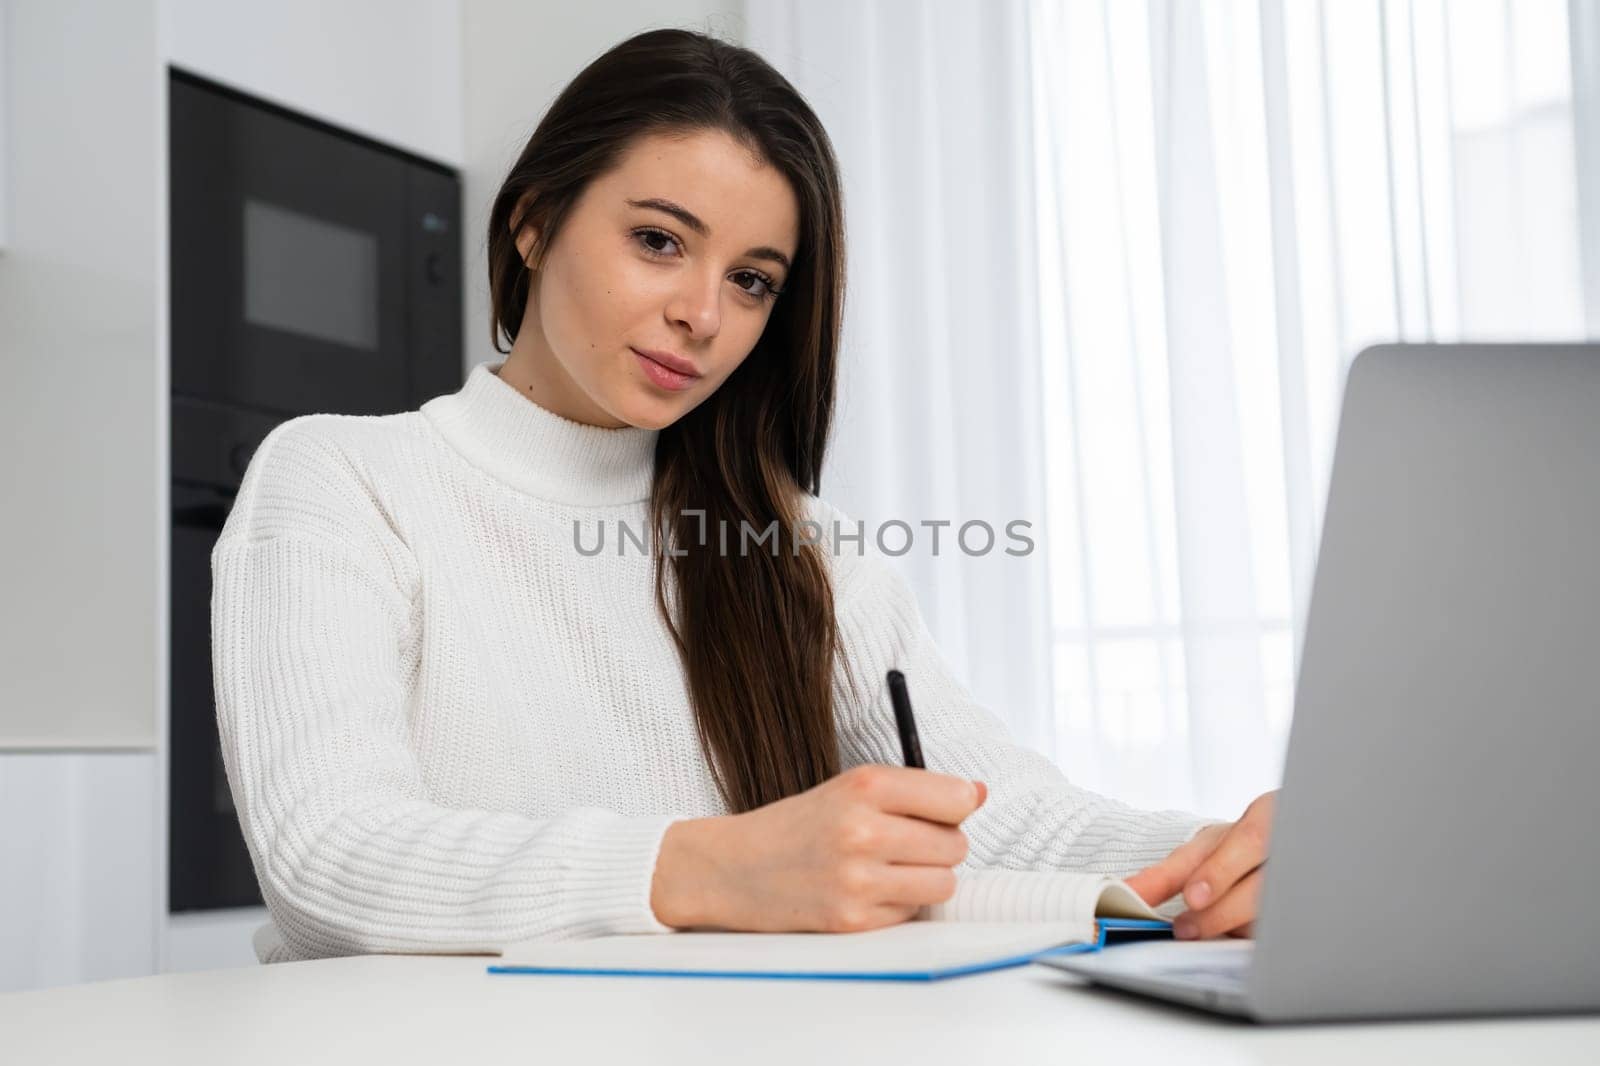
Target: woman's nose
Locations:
point(696, 305)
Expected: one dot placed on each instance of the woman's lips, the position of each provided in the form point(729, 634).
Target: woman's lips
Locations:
point(666, 379)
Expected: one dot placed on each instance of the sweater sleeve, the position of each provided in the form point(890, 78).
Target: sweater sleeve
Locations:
point(313, 625)
point(1034, 818)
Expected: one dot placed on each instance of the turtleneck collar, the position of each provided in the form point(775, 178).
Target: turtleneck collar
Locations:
point(509, 436)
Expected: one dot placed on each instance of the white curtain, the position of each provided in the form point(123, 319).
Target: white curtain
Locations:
point(1111, 259)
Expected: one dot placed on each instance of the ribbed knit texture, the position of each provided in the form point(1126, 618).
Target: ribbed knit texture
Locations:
point(446, 728)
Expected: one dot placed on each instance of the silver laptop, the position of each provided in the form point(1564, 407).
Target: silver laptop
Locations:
point(1437, 846)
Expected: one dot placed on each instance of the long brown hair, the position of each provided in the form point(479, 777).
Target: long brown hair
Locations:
point(756, 630)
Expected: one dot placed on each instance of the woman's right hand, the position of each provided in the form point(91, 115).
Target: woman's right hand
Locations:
point(862, 850)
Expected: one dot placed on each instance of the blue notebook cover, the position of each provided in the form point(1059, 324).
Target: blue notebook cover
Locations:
point(1109, 931)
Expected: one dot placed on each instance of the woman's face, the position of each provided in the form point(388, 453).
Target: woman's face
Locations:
point(676, 251)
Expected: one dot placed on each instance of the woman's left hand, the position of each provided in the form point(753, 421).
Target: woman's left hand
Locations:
point(1219, 873)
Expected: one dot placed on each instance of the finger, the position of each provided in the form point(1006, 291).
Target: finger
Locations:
point(889, 914)
point(918, 793)
point(915, 885)
point(1242, 848)
point(872, 916)
point(920, 842)
point(1161, 881)
point(1234, 910)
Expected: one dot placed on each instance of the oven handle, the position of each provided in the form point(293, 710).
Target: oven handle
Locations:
point(206, 513)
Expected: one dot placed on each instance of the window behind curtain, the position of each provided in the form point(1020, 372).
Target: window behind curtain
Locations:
point(1234, 198)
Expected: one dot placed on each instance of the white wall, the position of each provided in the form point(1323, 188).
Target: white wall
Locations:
point(83, 336)
point(78, 329)
point(80, 634)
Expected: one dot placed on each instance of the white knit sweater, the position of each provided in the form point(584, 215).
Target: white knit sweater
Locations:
point(445, 728)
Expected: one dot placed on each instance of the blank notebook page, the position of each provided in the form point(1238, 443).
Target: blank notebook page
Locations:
point(1032, 896)
point(908, 947)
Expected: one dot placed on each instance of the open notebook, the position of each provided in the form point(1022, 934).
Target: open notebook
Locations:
point(996, 919)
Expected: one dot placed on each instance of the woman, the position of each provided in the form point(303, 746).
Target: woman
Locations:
point(449, 722)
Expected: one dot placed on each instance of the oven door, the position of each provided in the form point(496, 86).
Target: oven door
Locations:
point(289, 259)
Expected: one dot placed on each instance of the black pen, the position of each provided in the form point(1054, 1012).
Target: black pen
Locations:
point(909, 743)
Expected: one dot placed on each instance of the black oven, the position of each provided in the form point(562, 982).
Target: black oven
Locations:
point(312, 270)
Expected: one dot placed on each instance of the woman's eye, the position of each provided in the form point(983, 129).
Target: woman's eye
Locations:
point(745, 277)
point(645, 236)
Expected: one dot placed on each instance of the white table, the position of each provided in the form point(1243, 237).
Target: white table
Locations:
point(445, 1009)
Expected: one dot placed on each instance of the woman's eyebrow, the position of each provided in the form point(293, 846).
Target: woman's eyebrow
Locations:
point(690, 219)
